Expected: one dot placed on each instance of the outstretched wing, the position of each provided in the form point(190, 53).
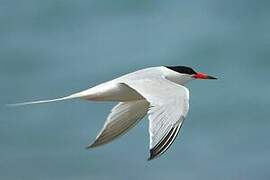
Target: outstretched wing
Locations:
point(122, 118)
point(169, 104)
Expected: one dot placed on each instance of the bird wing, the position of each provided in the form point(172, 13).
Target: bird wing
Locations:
point(122, 118)
point(169, 104)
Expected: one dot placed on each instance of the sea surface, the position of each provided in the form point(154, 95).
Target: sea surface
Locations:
point(53, 48)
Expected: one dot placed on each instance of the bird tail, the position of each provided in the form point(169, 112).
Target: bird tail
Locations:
point(44, 101)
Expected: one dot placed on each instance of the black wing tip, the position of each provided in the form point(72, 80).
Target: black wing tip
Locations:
point(153, 155)
point(165, 143)
point(89, 147)
point(93, 145)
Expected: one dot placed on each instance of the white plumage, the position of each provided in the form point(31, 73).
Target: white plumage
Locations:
point(158, 91)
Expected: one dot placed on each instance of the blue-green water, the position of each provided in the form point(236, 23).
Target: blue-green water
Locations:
point(53, 48)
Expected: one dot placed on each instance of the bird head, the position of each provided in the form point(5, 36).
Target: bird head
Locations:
point(188, 74)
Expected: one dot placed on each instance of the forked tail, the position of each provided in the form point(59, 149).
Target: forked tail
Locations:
point(44, 101)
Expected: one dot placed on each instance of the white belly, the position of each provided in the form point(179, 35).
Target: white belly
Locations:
point(110, 92)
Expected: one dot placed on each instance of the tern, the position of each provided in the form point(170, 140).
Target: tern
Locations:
point(156, 91)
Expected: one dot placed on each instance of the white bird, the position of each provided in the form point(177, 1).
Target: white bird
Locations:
point(156, 91)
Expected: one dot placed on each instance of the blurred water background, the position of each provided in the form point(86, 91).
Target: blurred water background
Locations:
point(56, 47)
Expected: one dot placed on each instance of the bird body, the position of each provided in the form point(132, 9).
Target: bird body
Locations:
point(156, 91)
point(119, 90)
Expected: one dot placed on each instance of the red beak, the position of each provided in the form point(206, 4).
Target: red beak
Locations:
point(203, 76)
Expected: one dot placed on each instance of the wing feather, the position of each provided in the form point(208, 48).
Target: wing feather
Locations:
point(122, 118)
point(166, 141)
point(169, 104)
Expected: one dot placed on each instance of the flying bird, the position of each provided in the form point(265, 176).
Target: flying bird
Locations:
point(156, 91)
